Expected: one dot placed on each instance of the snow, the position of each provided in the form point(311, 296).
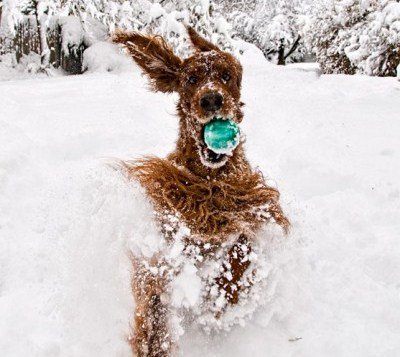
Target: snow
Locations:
point(71, 31)
point(186, 287)
point(391, 13)
point(249, 53)
point(105, 57)
point(68, 219)
point(27, 67)
point(156, 11)
point(222, 26)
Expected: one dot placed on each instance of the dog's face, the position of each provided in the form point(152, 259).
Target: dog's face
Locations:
point(208, 83)
point(210, 88)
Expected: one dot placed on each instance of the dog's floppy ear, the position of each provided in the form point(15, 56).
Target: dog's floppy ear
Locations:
point(155, 57)
point(199, 42)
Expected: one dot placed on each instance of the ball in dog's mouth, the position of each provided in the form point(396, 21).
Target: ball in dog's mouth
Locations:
point(220, 137)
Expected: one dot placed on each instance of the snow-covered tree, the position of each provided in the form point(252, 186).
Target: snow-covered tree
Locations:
point(203, 15)
point(378, 51)
point(10, 16)
point(358, 36)
point(119, 14)
point(77, 24)
point(205, 18)
point(275, 26)
point(168, 19)
point(325, 37)
point(43, 11)
point(281, 35)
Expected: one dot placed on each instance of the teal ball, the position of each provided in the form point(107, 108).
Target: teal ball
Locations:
point(221, 135)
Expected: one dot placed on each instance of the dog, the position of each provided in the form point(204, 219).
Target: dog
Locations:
point(217, 197)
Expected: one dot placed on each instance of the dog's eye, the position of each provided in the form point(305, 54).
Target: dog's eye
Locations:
point(226, 76)
point(192, 80)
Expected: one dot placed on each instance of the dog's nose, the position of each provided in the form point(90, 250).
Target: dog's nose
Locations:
point(211, 102)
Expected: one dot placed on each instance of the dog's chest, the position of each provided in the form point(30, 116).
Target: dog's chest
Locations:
point(210, 208)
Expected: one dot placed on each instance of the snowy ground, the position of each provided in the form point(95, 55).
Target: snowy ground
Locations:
point(332, 146)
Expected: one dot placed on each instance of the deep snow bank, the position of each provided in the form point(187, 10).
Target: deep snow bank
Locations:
point(331, 145)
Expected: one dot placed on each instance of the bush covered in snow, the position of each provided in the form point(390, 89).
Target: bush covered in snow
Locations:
point(358, 36)
point(104, 57)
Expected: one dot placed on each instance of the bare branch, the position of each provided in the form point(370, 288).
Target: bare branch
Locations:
point(295, 45)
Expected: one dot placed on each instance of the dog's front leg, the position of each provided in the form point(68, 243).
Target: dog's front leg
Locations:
point(234, 267)
point(151, 336)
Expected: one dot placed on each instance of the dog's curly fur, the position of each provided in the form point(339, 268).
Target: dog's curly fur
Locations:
point(209, 207)
point(215, 196)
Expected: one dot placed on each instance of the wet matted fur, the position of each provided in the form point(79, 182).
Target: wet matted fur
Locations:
point(216, 196)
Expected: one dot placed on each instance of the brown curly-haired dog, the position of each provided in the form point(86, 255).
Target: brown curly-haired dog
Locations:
point(215, 195)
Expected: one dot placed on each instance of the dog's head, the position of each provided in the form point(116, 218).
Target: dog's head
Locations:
point(208, 83)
